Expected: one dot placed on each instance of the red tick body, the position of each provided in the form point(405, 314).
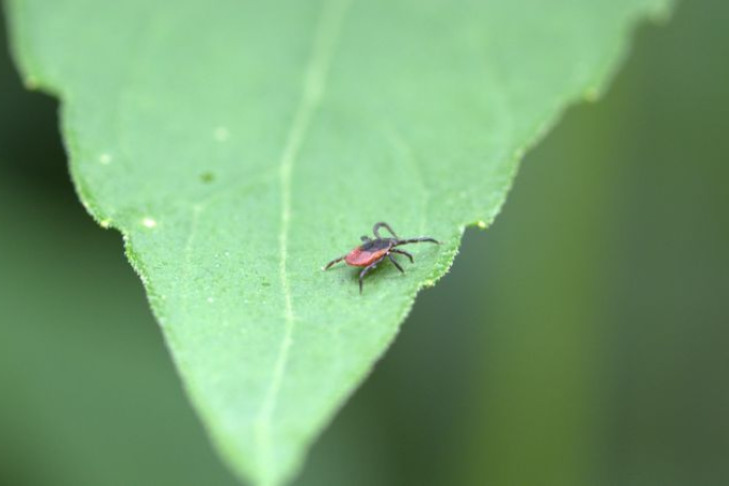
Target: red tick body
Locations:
point(368, 253)
point(373, 251)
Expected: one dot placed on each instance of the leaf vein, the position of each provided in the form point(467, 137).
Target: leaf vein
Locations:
point(314, 83)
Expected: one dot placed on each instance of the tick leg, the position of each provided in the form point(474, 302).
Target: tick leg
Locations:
point(422, 239)
point(336, 260)
point(369, 267)
point(382, 224)
point(365, 239)
point(403, 252)
point(394, 262)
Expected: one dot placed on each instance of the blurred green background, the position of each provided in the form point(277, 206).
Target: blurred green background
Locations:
point(582, 340)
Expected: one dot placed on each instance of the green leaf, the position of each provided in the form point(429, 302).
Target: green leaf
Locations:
point(239, 146)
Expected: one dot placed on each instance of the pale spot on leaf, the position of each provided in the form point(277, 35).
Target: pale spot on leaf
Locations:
point(149, 222)
point(221, 134)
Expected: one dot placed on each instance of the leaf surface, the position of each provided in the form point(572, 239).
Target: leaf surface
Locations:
point(239, 146)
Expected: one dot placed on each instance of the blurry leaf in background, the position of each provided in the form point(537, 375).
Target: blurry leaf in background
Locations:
point(581, 340)
point(239, 147)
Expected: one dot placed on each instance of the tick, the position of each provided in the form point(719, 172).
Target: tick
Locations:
point(373, 251)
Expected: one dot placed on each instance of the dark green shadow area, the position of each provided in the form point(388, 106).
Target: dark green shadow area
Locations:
point(88, 393)
point(579, 341)
point(582, 340)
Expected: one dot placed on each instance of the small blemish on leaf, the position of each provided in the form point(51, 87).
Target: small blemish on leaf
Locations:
point(105, 158)
point(207, 177)
point(149, 222)
point(591, 94)
point(221, 134)
point(31, 83)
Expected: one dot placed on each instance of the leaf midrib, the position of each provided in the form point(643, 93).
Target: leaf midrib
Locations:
point(314, 83)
